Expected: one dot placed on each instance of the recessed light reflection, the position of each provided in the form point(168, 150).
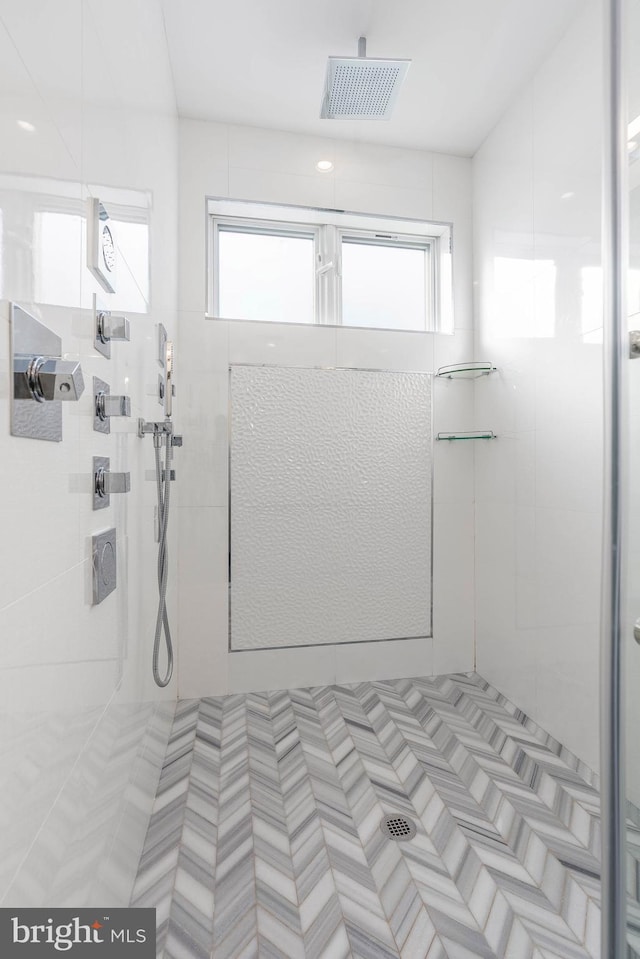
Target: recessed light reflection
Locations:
point(324, 166)
point(26, 126)
point(567, 196)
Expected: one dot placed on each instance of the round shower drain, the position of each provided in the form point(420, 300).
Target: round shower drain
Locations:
point(398, 827)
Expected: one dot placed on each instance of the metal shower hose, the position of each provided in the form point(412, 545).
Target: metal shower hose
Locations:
point(162, 620)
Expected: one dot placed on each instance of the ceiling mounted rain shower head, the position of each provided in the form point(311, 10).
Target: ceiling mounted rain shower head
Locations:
point(362, 88)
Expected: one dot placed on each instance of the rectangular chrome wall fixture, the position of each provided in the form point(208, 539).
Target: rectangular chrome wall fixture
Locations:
point(106, 405)
point(104, 564)
point(105, 482)
point(41, 379)
point(109, 326)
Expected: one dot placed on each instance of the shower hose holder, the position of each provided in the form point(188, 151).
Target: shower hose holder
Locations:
point(159, 429)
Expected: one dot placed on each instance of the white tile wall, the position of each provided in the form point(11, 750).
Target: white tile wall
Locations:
point(282, 344)
point(536, 192)
point(221, 160)
point(82, 723)
point(385, 350)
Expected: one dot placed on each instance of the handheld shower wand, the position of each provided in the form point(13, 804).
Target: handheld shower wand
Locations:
point(163, 435)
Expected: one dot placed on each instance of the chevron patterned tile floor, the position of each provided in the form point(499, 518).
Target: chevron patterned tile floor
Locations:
point(266, 839)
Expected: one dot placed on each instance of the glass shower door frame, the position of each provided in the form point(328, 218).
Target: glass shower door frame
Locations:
point(616, 358)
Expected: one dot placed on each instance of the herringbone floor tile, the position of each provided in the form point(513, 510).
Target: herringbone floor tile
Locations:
point(265, 840)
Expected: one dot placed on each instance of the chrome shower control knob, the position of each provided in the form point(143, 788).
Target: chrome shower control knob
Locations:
point(108, 482)
point(45, 379)
point(112, 327)
point(109, 327)
point(60, 380)
point(105, 482)
point(109, 405)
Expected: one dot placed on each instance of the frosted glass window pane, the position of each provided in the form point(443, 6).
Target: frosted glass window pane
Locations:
point(133, 265)
point(384, 287)
point(58, 251)
point(266, 277)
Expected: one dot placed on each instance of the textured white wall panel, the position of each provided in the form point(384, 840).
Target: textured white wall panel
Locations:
point(330, 506)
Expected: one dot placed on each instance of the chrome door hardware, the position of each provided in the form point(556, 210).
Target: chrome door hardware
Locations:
point(104, 564)
point(41, 378)
point(636, 630)
point(634, 344)
point(105, 482)
point(110, 327)
point(107, 405)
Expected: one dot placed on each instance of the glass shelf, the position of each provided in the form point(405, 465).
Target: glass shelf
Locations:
point(467, 371)
point(468, 435)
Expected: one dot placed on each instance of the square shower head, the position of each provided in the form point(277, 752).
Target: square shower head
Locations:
point(362, 88)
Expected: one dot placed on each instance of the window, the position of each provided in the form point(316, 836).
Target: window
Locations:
point(265, 274)
point(296, 265)
point(385, 283)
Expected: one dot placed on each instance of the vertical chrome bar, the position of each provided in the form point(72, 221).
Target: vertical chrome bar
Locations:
point(612, 711)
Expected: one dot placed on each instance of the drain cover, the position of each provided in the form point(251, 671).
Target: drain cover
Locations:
point(398, 827)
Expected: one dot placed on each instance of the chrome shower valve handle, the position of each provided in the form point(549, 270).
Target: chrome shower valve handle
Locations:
point(109, 405)
point(108, 482)
point(105, 482)
point(110, 326)
point(44, 379)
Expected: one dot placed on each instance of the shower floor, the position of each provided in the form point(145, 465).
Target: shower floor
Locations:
point(265, 838)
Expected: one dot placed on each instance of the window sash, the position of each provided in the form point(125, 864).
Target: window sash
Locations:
point(398, 241)
point(257, 228)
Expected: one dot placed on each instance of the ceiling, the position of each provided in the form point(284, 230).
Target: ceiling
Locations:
point(262, 62)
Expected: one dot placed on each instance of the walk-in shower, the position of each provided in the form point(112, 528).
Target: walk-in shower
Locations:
point(376, 592)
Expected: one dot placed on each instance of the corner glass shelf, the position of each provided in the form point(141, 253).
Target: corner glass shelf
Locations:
point(467, 371)
point(468, 435)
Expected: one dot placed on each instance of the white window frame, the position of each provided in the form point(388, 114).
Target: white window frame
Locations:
point(329, 229)
point(405, 241)
point(256, 227)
